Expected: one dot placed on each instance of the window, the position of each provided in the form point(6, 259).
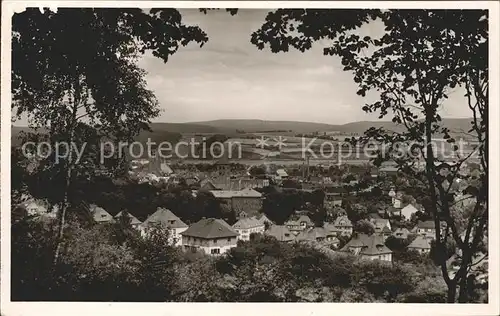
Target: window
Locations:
point(215, 241)
point(215, 251)
point(245, 231)
point(229, 239)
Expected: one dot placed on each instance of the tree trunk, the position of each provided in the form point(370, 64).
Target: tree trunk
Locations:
point(69, 170)
point(65, 204)
point(452, 292)
point(463, 296)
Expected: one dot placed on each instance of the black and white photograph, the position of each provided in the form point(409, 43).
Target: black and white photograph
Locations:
point(158, 152)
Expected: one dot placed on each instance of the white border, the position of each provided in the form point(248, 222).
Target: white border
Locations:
point(50, 309)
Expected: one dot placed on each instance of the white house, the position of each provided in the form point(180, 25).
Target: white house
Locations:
point(368, 247)
point(408, 211)
point(134, 222)
point(212, 236)
point(420, 244)
point(100, 215)
point(246, 226)
point(169, 221)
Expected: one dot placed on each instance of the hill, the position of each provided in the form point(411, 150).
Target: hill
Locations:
point(172, 131)
point(252, 126)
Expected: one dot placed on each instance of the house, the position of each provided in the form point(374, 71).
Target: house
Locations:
point(317, 234)
point(281, 174)
point(246, 200)
point(426, 229)
point(368, 247)
point(134, 222)
point(401, 233)
point(420, 244)
point(222, 165)
point(343, 225)
point(296, 226)
point(34, 207)
point(165, 219)
point(246, 226)
point(280, 232)
point(236, 184)
point(408, 211)
point(386, 232)
point(380, 223)
point(207, 184)
point(99, 215)
point(210, 235)
point(262, 218)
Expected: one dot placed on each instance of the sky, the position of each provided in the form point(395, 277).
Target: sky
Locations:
point(229, 78)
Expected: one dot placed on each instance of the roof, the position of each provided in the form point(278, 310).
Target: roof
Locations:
point(207, 184)
point(133, 219)
point(426, 225)
point(401, 232)
point(165, 217)
point(409, 208)
point(370, 245)
point(247, 222)
point(281, 172)
point(379, 223)
point(280, 232)
point(302, 218)
point(343, 221)
point(312, 234)
point(263, 219)
point(386, 230)
point(222, 194)
point(330, 227)
point(210, 228)
point(420, 243)
point(99, 214)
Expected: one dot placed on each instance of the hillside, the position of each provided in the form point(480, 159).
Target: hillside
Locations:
point(251, 126)
point(171, 131)
point(461, 124)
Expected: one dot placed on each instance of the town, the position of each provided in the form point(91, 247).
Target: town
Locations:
point(249, 155)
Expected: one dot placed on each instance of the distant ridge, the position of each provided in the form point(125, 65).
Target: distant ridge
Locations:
point(232, 127)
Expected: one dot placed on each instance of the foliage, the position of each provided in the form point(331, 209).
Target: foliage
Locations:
point(408, 71)
point(364, 227)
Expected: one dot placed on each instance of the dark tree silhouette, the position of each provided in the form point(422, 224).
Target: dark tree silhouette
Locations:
point(77, 68)
point(412, 66)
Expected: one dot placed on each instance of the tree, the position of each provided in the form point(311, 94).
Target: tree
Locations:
point(71, 84)
point(411, 67)
point(364, 227)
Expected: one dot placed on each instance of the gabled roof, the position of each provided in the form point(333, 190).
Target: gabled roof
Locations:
point(370, 245)
point(401, 232)
point(426, 225)
point(409, 208)
point(99, 214)
point(281, 173)
point(280, 232)
point(312, 234)
point(386, 230)
point(262, 218)
point(298, 221)
point(330, 227)
point(207, 184)
point(379, 223)
point(343, 221)
point(248, 222)
point(420, 243)
point(166, 218)
point(222, 194)
point(133, 219)
point(210, 228)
